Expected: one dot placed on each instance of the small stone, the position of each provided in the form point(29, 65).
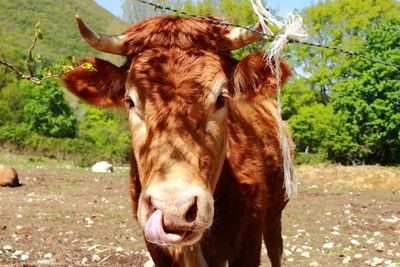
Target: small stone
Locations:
point(287, 252)
point(314, 263)
point(7, 247)
point(357, 256)
point(96, 258)
point(24, 257)
point(346, 260)
point(149, 263)
point(305, 254)
point(290, 259)
point(85, 260)
point(18, 252)
point(119, 249)
point(328, 245)
point(355, 242)
point(47, 256)
point(19, 227)
point(377, 233)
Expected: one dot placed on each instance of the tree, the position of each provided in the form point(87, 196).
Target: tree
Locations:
point(340, 23)
point(368, 98)
point(107, 132)
point(46, 112)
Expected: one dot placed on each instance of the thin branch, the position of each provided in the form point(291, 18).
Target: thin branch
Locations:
point(30, 59)
point(34, 79)
point(20, 73)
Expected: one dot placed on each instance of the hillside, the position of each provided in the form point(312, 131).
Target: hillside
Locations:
point(61, 36)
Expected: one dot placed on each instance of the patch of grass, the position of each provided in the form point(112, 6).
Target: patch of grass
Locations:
point(311, 158)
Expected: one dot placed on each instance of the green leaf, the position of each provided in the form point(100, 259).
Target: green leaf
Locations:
point(40, 34)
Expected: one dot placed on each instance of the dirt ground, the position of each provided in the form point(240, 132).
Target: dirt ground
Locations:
point(68, 216)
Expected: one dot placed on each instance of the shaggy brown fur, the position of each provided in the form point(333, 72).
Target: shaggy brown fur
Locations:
point(8, 177)
point(173, 65)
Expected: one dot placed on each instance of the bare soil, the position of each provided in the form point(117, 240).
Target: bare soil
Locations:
point(68, 216)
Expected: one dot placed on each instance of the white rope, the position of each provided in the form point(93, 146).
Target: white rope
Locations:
point(293, 29)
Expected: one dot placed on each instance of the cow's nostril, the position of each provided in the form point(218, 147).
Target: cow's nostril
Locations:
point(191, 214)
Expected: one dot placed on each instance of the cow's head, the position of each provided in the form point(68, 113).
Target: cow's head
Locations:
point(179, 84)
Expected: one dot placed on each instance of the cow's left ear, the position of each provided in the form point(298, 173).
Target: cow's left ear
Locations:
point(104, 86)
point(252, 77)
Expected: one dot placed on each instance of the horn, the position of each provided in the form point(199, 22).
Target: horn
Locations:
point(241, 37)
point(113, 44)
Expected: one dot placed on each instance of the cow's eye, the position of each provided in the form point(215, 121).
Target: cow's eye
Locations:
point(129, 103)
point(220, 101)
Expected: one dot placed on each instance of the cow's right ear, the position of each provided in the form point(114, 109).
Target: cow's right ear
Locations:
point(104, 86)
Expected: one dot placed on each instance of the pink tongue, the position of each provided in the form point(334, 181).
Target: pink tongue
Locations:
point(154, 231)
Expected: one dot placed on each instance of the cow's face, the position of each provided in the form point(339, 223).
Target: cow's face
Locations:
point(177, 85)
point(177, 104)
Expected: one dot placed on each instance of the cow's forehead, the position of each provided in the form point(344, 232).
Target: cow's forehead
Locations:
point(171, 85)
point(168, 75)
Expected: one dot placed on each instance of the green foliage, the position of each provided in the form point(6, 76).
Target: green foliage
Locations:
point(12, 102)
point(368, 101)
point(359, 99)
point(100, 128)
point(14, 133)
point(47, 112)
point(303, 158)
point(61, 35)
point(313, 127)
point(39, 118)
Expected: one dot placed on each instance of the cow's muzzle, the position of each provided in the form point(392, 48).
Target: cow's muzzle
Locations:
point(175, 217)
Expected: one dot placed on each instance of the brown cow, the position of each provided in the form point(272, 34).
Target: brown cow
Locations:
point(206, 172)
point(8, 177)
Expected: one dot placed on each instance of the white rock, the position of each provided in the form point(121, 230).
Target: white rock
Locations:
point(7, 247)
point(355, 242)
point(19, 227)
point(376, 261)
point(96, 258)
point(18, 252)
point(47, 256)
point(119, 249)
point(357, 256)
point(328, 245)
point(24, 257)
point(314, 263)
point(377, 233)
point(287, 252)
point(290, 259)
point(346, 260)
point(102, 166)
point(85, 260)
point(149, 263)
point(305, 254)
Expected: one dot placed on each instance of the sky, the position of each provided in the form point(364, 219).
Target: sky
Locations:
point(283, 6)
